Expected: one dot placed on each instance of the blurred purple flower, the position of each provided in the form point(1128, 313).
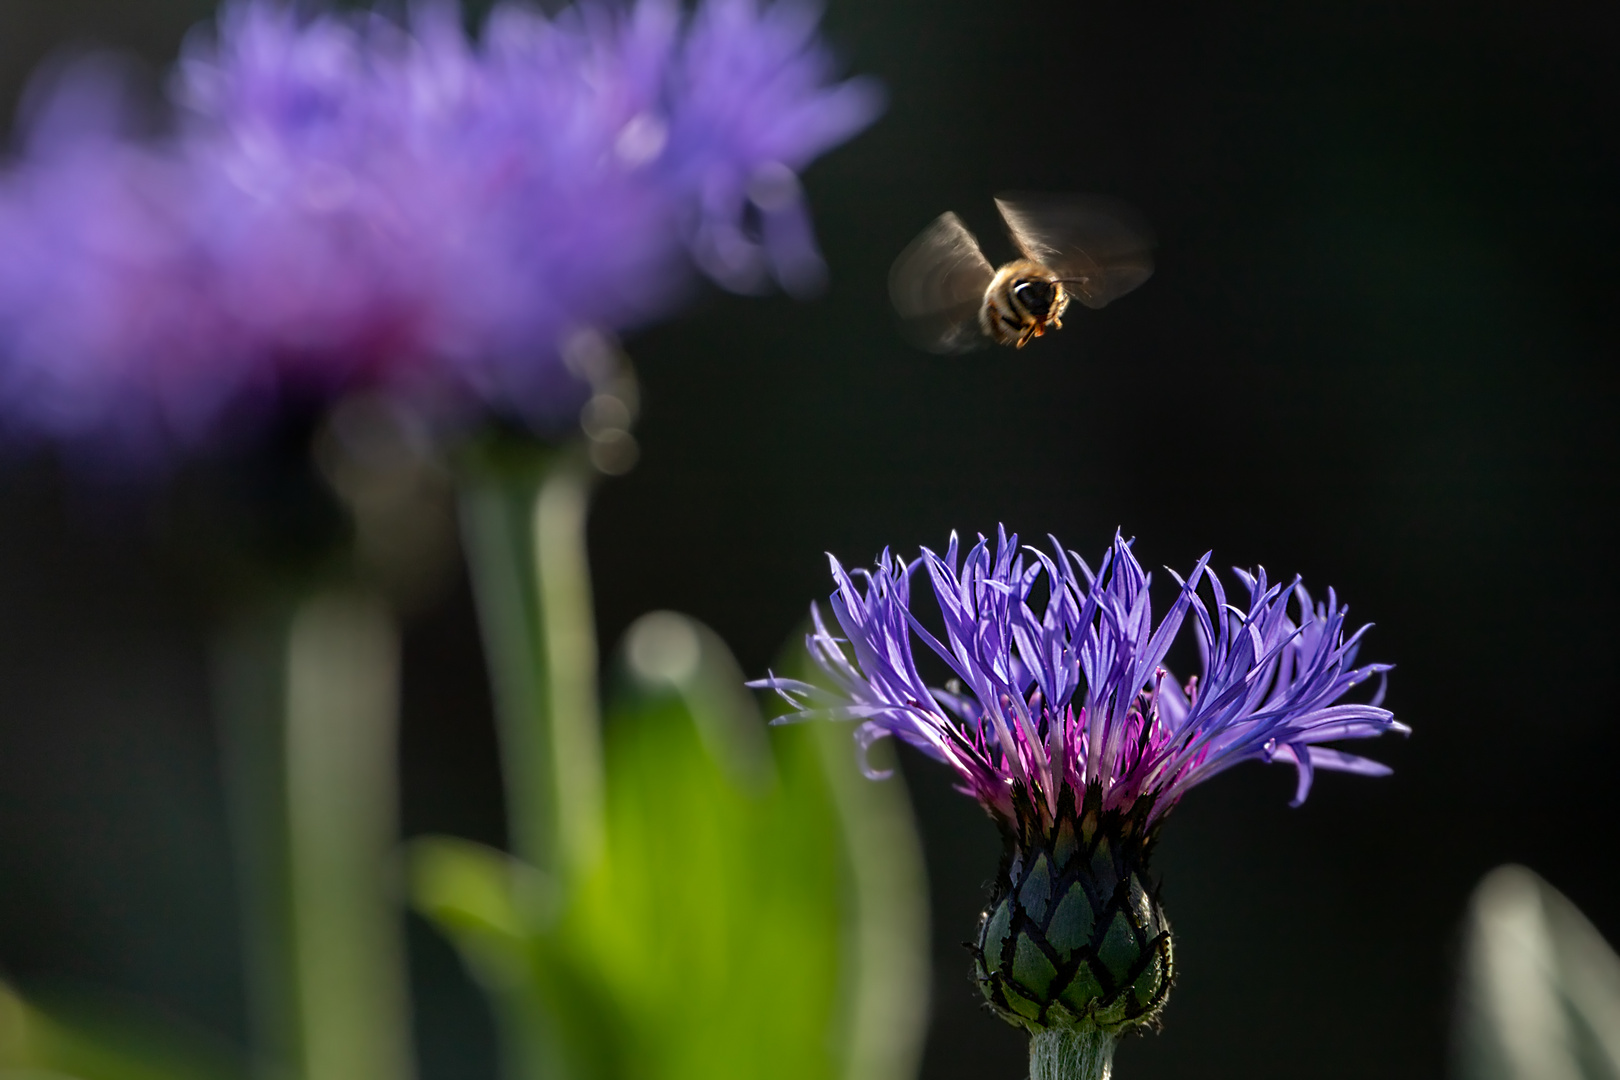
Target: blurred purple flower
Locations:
point(349, 202)
point(1073, 695)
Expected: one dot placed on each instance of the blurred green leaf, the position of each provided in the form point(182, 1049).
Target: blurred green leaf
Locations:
point(1540, 993)
point(714, 920)
point(749, 882)
point(471, 892)
point(80, 1040)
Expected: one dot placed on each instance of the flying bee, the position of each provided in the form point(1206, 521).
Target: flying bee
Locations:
point(1074, 247)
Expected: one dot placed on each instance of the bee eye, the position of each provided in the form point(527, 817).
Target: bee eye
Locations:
point(1036, 296)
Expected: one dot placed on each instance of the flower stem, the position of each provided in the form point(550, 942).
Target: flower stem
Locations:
point(1067, 1054)
point(308, 690)
point(523, 515)
point(249, 689)
point(523, 522)
point(342, 800)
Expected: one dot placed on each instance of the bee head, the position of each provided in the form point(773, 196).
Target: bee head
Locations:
point(1035, 296)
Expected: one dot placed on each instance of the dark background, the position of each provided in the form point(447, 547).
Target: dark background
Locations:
point(1379, 351)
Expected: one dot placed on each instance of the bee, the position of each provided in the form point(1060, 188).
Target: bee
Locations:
point(1074, 247)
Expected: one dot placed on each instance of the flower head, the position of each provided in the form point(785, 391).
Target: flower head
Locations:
point(1063, 721)
point(346, 201)
point(1059, 677)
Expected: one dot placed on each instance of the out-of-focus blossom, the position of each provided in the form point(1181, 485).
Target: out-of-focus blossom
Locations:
point(346, 201)
point(1063, 721)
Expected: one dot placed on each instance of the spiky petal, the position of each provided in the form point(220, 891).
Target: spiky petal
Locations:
point(1072, 693)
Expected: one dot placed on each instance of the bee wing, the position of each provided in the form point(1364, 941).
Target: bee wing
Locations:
point(938, 285)
point(1100, 247)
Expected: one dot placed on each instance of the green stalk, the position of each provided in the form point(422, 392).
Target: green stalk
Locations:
point(523, 515)
point(1067, 1054)
point(250, 692)
point(343, 831)
point(523, 524)
point(308, 693)
point(568, 658)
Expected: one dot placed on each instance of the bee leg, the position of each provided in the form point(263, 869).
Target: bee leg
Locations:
point(1057, 324)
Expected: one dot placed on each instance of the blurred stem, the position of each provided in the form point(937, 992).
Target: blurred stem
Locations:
point(250, 691)
point(308, 690)
point(1066, 1054)
point(523, 519)
point(342, 716)
point(523, 514)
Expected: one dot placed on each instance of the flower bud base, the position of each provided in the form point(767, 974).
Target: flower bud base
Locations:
point(1075, 937)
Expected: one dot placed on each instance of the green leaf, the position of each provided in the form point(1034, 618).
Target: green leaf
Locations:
point(474, 894)
point(1540, 993)
point(715, 920)
point(82, 1040)
point(756, 909)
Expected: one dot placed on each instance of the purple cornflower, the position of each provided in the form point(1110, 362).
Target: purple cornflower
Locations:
point(1077, 696)
point(346, 202)
point(1062, 720)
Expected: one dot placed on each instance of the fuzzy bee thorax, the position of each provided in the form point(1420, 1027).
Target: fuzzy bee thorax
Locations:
point(1023, 301)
